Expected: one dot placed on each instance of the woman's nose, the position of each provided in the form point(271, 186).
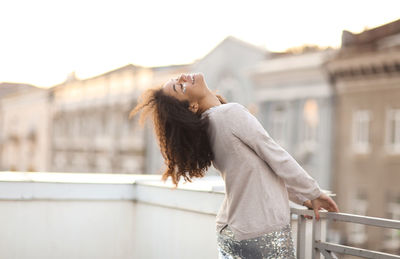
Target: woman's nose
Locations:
point(183, 77)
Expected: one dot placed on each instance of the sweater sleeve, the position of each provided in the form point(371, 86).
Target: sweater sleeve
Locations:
point(295, 197)
point(245, 126)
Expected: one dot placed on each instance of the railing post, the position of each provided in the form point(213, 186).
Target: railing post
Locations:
point(301, 236)
point(316, 237)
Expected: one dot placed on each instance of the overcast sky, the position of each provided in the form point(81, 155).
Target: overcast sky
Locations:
point(42, 40)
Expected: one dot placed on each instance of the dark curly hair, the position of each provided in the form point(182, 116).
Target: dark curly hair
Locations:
point(181, 134)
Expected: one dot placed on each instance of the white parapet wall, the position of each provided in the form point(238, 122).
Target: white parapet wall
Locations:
point(56, 215)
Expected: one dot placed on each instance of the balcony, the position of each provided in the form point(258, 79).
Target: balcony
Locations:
point(70, 215)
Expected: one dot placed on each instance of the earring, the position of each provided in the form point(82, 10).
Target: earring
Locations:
point(184, 88)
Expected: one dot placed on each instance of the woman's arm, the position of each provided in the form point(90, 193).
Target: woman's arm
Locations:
point(249, 130)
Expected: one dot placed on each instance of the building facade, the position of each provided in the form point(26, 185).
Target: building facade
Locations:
point(366, 77)
point(24, 128)
point(91, 131)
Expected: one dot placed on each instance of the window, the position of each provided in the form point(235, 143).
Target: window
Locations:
point(357, 232)
point(75, 125)
point(83, 123)
point(279, 124)
point(310, 125)
point(230, 87)
point(104, 122)
point(393, 130)
point(228, 94)
point(361, 126)
point(392, 236)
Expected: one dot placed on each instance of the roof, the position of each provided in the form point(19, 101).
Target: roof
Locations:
point(370, 36)
point(7, 88)
point(293, 62)
point(126, 67)
point(236, 41)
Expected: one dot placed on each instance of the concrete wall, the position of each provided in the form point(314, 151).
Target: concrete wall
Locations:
point(103, 229)
point(67, 229)
point(161, 232)
point(25, 130)
point(44, 216)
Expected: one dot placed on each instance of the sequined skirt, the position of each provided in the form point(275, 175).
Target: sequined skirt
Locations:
point(276, 244)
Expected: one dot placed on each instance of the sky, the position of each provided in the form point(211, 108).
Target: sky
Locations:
point(42, 41)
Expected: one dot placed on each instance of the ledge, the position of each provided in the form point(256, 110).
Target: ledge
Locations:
point(56, 177)
point(203, 195)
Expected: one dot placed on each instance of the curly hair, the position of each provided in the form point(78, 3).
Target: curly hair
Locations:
point(181, 134)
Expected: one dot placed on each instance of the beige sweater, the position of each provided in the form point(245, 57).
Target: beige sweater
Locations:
point(260, 176)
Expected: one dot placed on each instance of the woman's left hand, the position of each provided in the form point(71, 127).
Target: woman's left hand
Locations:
point(322, 202)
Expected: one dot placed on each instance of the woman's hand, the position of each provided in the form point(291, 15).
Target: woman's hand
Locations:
point(322, 202)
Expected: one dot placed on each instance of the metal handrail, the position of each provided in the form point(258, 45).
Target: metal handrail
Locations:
point(319, 246)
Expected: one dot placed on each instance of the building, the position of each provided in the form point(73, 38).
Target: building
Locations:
point(91, 131)
point(24, 128)
point(366, 77)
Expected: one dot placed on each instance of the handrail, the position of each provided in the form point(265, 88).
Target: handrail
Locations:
point(345, 217)
point(342, 249)
point(319, 246)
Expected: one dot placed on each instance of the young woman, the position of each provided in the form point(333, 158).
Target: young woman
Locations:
point(196, 128)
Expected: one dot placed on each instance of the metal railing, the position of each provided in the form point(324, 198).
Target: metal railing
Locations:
point(329, 250)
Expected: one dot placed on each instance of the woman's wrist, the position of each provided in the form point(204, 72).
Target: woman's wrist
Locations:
point(307, 204)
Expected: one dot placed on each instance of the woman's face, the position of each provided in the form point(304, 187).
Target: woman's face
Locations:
point(187, 87)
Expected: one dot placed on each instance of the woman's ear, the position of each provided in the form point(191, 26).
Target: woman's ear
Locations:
point(194, 107)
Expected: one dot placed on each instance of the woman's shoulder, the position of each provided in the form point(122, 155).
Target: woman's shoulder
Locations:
point(222, 108)
point(225, 111)
point(229, 109)
point(232, 106)
point(235, 107)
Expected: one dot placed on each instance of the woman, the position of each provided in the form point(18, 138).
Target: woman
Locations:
point(196, 127)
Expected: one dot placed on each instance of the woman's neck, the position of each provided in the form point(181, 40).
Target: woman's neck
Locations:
point(210, 101)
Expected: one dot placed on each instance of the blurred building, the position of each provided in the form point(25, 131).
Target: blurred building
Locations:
point(366, 76)
point(295, 102)
point(24, 128)
point(90, 127)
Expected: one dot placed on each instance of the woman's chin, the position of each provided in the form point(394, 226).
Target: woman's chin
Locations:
point(198, 75)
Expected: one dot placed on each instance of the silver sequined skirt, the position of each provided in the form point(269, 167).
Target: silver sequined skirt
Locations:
point(276, 244)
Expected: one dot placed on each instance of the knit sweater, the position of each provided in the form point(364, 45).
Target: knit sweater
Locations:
point(260, 176)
